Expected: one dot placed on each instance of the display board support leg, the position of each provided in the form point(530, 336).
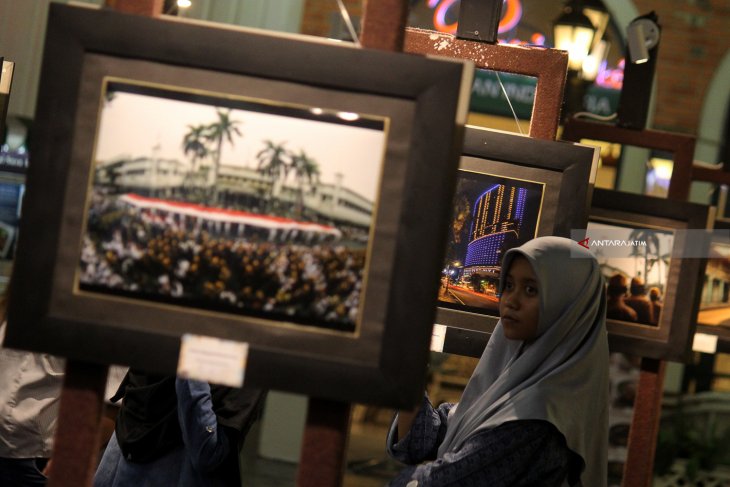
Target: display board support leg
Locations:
point(76, 444)
point(324, 446)
point(639, 466)
point(139, 7)
point(383, 24)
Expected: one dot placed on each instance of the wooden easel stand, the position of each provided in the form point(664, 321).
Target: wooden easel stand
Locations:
point(681, 145)
point(383, 24)
point(325, 438)
point(324, 445)
point(550, 66)
point(639, 466)
point(76, 445)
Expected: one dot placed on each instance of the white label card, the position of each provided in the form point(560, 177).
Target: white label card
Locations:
point(212, 360)
point(704, 343)
point(438, 336)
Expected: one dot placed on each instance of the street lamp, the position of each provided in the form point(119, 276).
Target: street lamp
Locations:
point(450, 272)
point(575, 33)
point(599, 17)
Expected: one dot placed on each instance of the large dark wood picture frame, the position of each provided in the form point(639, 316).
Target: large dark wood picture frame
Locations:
point(564, 172)
point(689, 224)
point(422, 104)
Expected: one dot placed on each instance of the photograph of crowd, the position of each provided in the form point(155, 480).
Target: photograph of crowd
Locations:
point(240, 206)
point(635, 266)
point(492, 214)
point(715, 301)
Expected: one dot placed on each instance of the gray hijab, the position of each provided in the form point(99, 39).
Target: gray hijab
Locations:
point(562, 375)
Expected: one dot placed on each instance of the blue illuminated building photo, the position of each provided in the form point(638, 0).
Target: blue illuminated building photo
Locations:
point(491, 215)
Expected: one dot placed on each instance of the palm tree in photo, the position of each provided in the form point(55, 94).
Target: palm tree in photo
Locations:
point(224, 128)
point(306, 171)
point(273, 161)
point(651, 239)
point(195, 142)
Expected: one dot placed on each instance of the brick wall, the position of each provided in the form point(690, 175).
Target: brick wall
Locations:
point(317, 16)
point(695, 38)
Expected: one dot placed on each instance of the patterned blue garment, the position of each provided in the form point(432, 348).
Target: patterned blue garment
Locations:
point(198, 461)
point(517, 453)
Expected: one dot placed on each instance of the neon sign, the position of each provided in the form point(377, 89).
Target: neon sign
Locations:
point(445, 13)
point(611, 78)
point(510, 18)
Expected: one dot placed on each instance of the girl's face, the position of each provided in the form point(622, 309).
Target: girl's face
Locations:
point(519, 306)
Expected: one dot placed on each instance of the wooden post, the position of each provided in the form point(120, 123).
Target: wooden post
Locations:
point(140, 7)
point(322, 460)
point(550, 66)
point(324, 445)
point(681, 145)
point(639, 466)
point(644, 430)
point(383, 24)
point(76, 444)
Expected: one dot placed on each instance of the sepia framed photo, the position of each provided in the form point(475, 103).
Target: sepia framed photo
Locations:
point(713, 315)
point(652, 253)
point(510, 189)
point(278, 190)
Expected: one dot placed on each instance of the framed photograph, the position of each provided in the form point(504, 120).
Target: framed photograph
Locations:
point(510, 189)
point(713, 316)
point(282, 191)
point(652, 254)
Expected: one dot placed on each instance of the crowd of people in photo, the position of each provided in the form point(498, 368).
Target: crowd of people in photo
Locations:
point(633, 302)
point(160, 254)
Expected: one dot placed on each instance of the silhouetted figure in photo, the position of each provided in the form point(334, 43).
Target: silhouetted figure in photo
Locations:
point(655, 296)
point(616, 292)
point(639, 301)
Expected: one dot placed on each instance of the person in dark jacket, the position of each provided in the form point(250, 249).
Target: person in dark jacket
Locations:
point(177, 432)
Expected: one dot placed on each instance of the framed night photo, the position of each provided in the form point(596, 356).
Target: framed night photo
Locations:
point(278, 200)
point(510, 189)
point(491, 215)
point(652, 254)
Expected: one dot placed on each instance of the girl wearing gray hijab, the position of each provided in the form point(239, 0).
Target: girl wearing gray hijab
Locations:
point(535, 411)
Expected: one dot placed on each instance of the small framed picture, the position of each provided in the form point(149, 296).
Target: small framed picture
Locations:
point(652, 253)
point(510, 189)
point(713, 315)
